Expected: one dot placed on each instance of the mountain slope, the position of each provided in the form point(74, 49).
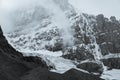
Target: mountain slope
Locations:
point(14, 67)
point(10, 61)
point(63, 37)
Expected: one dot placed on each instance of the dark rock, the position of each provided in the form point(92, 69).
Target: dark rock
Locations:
point(12, 65)
point(10, 68)
point(36, 60)
point(69, 75)
point(108, 32)
point(104, 49)
point(79, 75)
point(41, 74)
point(101, 38)
point(112, 63)
point(8, 48)
point(79, 53)
point(91, 67)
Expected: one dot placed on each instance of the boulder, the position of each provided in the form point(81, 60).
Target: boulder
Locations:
point(73, 74)
point(77, 53)
point(91, 67)
point(112, 63)
point(37, 60)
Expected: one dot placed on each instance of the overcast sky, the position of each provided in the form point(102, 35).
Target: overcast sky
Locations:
point(106, 7)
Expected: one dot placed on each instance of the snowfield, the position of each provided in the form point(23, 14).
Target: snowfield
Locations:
point(54, 59)
point(60, 64)
point(112, 56)
point(113, 74)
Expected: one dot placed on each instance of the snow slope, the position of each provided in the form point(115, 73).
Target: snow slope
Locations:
point(112, 56)
point(60, 64)
point(54, 59)
point(111, 75)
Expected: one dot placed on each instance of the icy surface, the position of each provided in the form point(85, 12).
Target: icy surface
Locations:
point(54, 59)
point(113, 74)
point(60, 64)
point(117, 55)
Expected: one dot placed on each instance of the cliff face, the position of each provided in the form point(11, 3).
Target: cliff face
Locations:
point(12, 63)
point(5, 47)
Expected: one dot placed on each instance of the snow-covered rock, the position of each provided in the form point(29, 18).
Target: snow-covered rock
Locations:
point(53, 29)
point(111, 74)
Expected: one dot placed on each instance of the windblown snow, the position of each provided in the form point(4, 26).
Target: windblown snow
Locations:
point(26, 14)
point(39, 23)
point(30, 18)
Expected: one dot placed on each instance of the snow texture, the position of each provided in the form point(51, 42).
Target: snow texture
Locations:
point(113, 74)
point(36, 23)
point(60, 64)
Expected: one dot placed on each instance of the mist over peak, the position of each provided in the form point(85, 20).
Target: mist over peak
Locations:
point(15, 13)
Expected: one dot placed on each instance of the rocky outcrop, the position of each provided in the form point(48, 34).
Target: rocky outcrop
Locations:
point(78, 53)
point(91, 67)
point(4, 46)
point(107, 36)
point(36, 60)
point(79, 75)
point(69, 75)
point(112, 63)
point(11, 67)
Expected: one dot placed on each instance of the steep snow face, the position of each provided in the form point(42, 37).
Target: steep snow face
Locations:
point(50, 24)
point(111, 74)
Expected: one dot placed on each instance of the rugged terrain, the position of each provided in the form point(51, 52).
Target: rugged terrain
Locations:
point(16, 67)
point(59, 41)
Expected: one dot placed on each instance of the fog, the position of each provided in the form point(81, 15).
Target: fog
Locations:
point(106, 7)
point(7, 9)
point(10, 17)
point(11, 12)
point(27, 14)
